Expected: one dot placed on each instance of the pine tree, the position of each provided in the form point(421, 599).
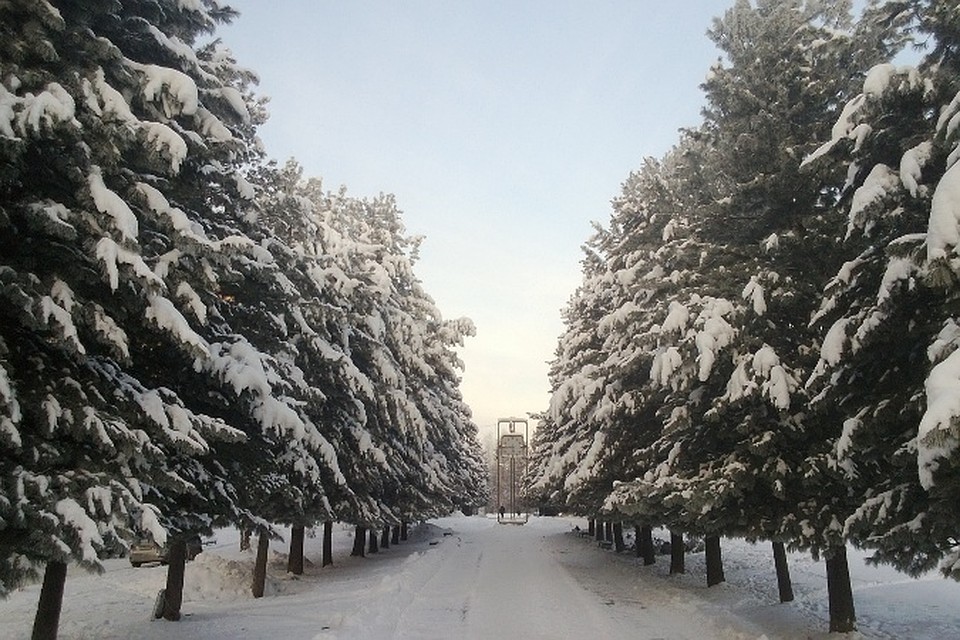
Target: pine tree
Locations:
point(122, 144)
point(887, 316)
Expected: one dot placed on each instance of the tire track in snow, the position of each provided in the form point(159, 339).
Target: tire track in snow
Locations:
point(419, 601)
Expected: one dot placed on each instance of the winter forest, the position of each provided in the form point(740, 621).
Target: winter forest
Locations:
point(765, 340)
point(194, 335)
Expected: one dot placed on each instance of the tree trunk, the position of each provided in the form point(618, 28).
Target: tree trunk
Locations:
point(173, 592)
point(327, 544)
point(608, 531)
point(359, 540)
point(618, 536)
point(783, 572)
point(591, 527)
point(599, 532)
point(260, 568)
point(374, 547)
point(714, 561)
point(47, 621)
point(403, 530)
point(295, 559)
point(843, 618)
point(395, 534)
point(677, 553)
point(646, 545)
point(385, 538)
point(245, 539)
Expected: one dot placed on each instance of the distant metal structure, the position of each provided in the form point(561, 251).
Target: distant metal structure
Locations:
point(512, 462)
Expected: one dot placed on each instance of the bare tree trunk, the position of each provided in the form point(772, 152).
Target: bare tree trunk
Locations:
point(295, 559)
point(385, 538)
point(608, 530)
point(783, 572)
point(403, 530)
point(591, 527)
point(714, 561)
point(173, 592)
point(359, 540)
point(647, 551)
point(395, 534)
point(244, 539)
point(843, 618)
point(47, 621)
point(598, 534)
point(618, 536)
point(374, 547)
point(677, 553)
point(260, 568)
point(327, 544)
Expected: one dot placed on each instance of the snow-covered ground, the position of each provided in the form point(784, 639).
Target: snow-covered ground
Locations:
point(462, 577)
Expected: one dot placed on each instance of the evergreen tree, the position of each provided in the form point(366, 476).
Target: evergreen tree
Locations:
point(569, 444)
point(108, 116)
point(887, 317)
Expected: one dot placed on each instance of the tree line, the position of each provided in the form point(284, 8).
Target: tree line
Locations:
point(193, 335)
point(764, 341)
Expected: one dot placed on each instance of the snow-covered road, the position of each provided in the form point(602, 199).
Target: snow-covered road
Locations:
point(491, 581)
point(472, 578)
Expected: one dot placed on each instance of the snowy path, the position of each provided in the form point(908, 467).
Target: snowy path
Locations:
point(489, 581)
point(471, 578)
point(509, 581)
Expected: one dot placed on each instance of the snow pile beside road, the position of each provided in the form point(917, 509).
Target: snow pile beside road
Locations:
point(215, 577)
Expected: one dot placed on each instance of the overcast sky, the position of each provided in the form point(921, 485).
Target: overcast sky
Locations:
point(503, 128)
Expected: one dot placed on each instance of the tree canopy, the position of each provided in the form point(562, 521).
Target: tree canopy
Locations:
point(190, 334)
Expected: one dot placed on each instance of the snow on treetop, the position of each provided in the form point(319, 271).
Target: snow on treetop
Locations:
point(33, 112)
point(112, 254)
point(50, 309)
point(881, 181)
point(879, 78)
point(665, 362)
point(937, 437)
point(949, 118)
point(150, 523)
point(843, 128)
point(167, 142)
point(12, 414)
point(677, 318)
point(715, 334)
point(166, 316)
point(112, 204)
point(586, 466)
point(911, 166)
point(158, 203)
point(88, 535)
point(174, 90)
point(898, 270)
point(753, 291)
point(943, 231)
point(831, 350)
point(110, 102)
point(195, 6)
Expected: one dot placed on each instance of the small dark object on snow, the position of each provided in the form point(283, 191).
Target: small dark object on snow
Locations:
point(158, 605)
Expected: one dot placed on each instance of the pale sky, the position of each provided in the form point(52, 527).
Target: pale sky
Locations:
point(503, 128)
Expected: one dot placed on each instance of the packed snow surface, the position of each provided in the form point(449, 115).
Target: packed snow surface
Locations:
point(472, 578)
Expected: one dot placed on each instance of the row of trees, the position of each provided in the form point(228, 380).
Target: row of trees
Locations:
point(191, 335)
point(764, 343)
